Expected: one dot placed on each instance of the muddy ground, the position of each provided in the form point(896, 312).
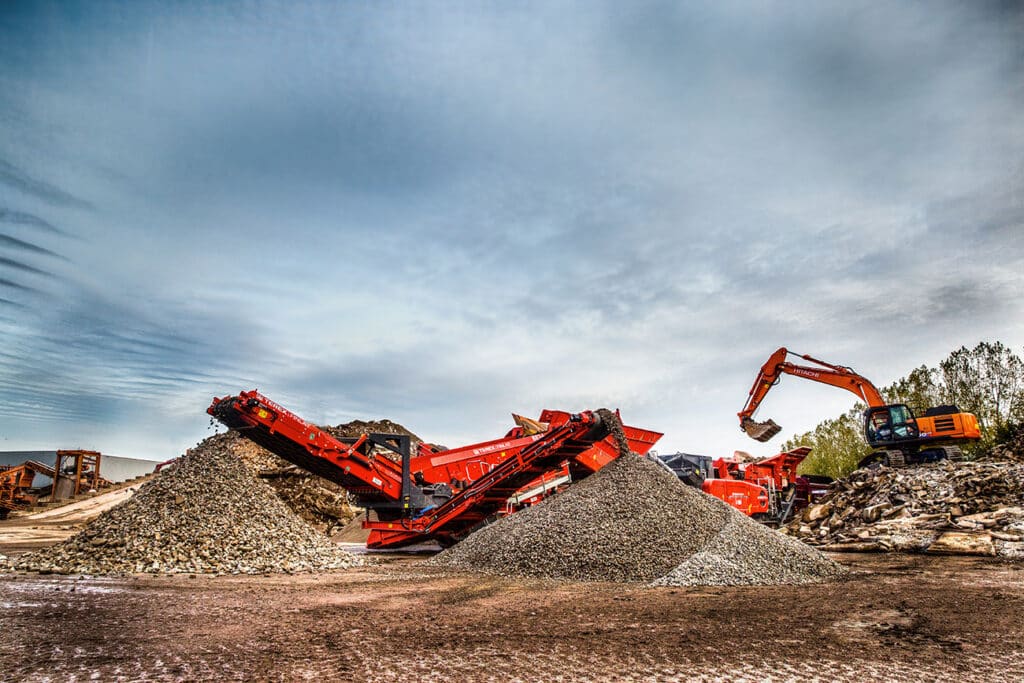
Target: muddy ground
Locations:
point(899, 618)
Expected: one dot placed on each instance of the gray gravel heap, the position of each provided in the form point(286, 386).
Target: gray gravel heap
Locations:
point(209, 514)
point(633, 521)
point(744, 553)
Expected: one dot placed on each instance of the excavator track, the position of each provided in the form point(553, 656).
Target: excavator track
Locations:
point(895, 459)
point(954, 453)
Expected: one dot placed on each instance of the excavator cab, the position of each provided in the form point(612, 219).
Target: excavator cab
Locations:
point(889, 424)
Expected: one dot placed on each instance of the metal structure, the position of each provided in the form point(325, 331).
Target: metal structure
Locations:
point(897, 436)
point(434, 494)
point(77, 471)
point(769, 490)
point(16, 485)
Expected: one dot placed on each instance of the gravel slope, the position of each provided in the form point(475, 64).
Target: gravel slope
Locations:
point(208, 514)
point(635, 522)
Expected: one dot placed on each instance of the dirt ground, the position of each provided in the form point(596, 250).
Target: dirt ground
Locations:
point(913, 618)
point(23, 532)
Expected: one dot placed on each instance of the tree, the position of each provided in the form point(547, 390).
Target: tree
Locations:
point(988, 381)
point(921, 389)
point(836, 445)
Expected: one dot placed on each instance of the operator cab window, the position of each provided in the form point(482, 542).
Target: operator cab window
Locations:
point(902, 422)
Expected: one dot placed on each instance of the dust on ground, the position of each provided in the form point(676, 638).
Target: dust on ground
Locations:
point(897, 617)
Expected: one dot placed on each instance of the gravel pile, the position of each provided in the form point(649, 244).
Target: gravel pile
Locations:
point(323, 504)
point(974, 508)
point(633, 521)
point(745, 553)
point(208, 514)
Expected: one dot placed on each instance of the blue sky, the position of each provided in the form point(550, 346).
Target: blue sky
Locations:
point(440, 213)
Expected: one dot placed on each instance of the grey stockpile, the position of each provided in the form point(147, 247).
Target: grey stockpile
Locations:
point(209, 514)
point(745, 553)
point(635, 522)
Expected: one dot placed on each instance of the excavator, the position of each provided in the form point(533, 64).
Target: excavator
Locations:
point(898, 437)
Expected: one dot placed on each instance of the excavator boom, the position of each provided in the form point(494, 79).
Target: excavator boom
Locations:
point(826, 373)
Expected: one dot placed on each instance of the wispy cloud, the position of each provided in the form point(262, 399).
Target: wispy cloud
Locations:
point(22, 266)
point(22, 218)
point(15, 178)
point(21, 245)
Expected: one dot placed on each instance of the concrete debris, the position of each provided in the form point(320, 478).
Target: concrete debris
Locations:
point(960, 543)
point(209, 514)
point(360, 427)
point(635, 522)
point(973, 508)
point(1010, 451)
point(321, 503)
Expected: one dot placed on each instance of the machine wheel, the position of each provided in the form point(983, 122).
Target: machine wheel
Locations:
point(954, 453)
point(895, 459)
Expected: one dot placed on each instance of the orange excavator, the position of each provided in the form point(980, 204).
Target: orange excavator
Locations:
point(895, 434)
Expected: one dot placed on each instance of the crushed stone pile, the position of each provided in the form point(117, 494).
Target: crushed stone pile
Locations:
point(973, 508)
point(208, 514)
point(633, 521)
point(360, 427)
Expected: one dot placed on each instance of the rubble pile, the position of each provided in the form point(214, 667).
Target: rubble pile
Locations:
point(208, 514)
point(633, 521)
point(972, 508)
point(322, 503)
point(1011, 451)
point(360, 427)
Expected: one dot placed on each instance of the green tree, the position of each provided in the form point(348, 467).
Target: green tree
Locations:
point(836, 445)
point(921, 389)
point(988, 381)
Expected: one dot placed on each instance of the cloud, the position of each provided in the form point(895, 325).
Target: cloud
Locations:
point(16, 285)
point(14, 177)
point(441, 216)
point(22, 266)
point(21, 218)
point(21, 245)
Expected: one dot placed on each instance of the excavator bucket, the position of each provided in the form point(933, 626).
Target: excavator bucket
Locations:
point(760, 431)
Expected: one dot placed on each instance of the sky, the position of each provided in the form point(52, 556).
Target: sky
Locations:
point(442, 213)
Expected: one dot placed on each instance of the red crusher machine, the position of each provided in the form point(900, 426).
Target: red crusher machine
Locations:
point(439, 495)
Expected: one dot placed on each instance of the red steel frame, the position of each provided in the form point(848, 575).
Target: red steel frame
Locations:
point(482, 476)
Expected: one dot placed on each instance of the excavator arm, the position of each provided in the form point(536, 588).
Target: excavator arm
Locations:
point(826, 373)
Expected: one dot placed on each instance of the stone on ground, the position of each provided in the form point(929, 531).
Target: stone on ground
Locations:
point(207, 514)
